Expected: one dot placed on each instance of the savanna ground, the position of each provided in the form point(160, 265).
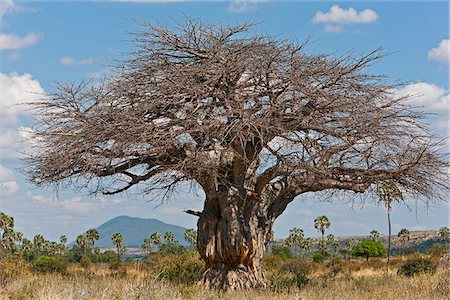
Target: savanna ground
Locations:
point(175, 276)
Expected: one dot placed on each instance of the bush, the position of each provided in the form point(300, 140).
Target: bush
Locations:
point(272, 262)
point(183, 268)
point(282, 252)
point(437, 250)
point(49, 264)
point(369, 248)
point(416, 266)
point(318, 257)
point(296, 266)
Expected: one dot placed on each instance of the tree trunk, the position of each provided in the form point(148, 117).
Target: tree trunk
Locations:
point(389, 236)
point(233, 231)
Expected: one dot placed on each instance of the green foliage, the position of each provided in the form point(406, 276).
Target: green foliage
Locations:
point(369, 248)
point(318, 256)
point(438, 249)
point(107, 257)
point(281, 251)
point(49, 264)
point(186, 267)
point(415, 266)
point(293, 273)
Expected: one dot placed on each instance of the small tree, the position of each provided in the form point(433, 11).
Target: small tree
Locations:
point(38, 243)
point(369, 248)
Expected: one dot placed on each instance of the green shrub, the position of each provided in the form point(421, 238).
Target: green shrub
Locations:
point(438, 250)
point(272, 262)
point(318, 256)
point(49, 264)
point(186, 267)
point(282, 252)
point(416, 266)
point(281, 282)
point(369, 248)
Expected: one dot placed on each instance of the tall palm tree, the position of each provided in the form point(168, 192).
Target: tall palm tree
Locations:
point(38, 242)
point(156, 239)
point(321, 223)
point(404, 235)
point(374, 235)
point(83, 242)
point(117, 240)
point(190, 235)
point(295, 238)
point(6, 224)
point(92, 236)
point(146, 246)
point(388, 192)
point(307, 244)
point(169, 237)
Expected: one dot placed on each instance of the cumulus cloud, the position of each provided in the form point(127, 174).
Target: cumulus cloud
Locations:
point(337, 17)
point(14, 42)
point(18, 89)
point(241, 6)
point(69, 61)
point(427, 95)
point(441, 53)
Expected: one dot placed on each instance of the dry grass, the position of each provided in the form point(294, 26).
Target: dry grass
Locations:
point(100, 282)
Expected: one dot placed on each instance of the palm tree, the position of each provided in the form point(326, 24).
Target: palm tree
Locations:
point(190, 235)
point(92, 236)
point(444, 233)
point(307, 244)
point(117, 240)
point(146, 246)
point(6, 224)
point(321, 223)
point(156, 239)
point(388, 192)
point(403, 236)
point(63, 241)
point(374, 235)
point(83, 242)
point(38, 242)
point(169, 237)
point(295, 238)
point(27, 246)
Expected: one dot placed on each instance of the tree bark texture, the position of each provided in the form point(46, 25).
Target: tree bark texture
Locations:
point(233, 232)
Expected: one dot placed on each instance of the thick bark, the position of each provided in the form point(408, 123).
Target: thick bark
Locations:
point(233, 231)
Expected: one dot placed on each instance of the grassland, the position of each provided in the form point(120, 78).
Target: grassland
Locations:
point(353, 279)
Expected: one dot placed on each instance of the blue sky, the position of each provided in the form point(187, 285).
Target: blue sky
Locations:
point(42, 42)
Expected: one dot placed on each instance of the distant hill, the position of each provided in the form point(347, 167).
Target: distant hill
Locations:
point(134, 230)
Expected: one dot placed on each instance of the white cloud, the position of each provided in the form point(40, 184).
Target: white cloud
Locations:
point(69, 61)
point(427, 95)
point(76, 205)
point(441, 52)
point(241, 6)
point(12, 41)
point(338, 15)
point(18, 89)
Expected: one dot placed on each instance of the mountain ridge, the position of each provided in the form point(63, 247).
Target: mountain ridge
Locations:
point(134, 230)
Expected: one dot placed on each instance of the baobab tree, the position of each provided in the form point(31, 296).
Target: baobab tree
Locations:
point(252, 121)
